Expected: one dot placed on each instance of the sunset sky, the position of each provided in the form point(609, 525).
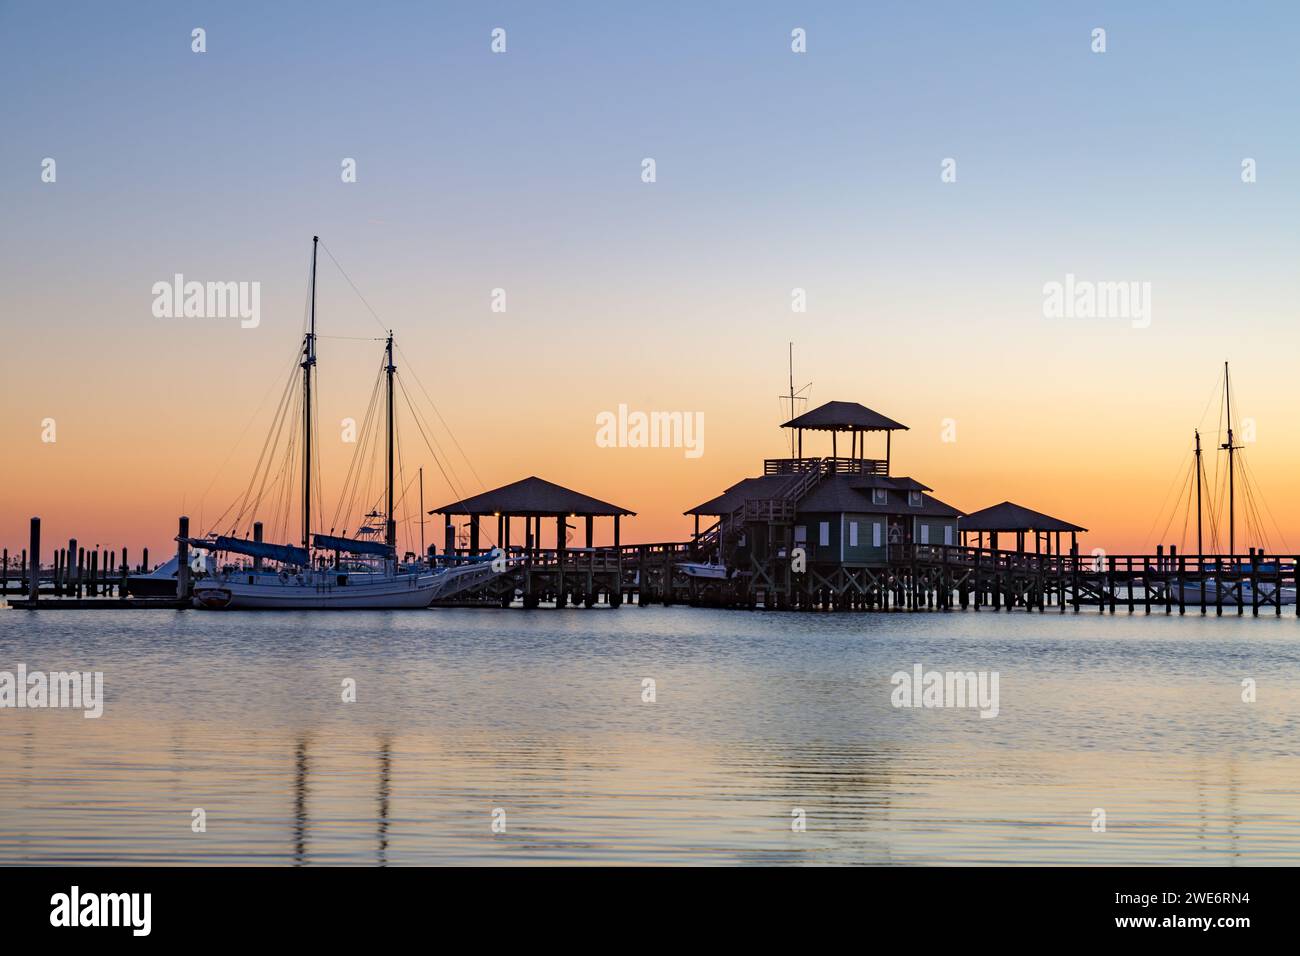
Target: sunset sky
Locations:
point(522, 171)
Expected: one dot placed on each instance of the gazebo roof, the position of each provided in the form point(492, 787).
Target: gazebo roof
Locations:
point(844, 416)
point(532, 496)
point(1009, 516)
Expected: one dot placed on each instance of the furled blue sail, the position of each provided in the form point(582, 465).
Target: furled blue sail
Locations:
point(286, 553)
point(352, 545)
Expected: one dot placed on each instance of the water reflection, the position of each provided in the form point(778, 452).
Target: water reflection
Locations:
point(385, 789)
point(300, 803)
point(544, 719)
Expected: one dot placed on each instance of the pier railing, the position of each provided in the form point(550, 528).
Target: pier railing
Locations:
point(566, 559)
point(1162, 563)
point(829, 466)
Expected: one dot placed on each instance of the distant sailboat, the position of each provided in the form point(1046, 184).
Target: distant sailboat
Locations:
point(1206, 590)
point(369, 577)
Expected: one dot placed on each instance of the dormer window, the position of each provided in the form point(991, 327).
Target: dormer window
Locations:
point(879, 496)
point(914, 499)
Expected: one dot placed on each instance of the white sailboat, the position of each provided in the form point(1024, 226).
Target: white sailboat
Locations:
point(1206, 589)
point(327, 570)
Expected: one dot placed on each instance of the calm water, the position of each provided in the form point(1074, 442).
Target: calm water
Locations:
point(540, 714)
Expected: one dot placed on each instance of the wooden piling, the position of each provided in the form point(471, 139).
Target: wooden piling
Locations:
point(1173, 561)
point(1146, 588)
point(183, 558)
point(34, 549)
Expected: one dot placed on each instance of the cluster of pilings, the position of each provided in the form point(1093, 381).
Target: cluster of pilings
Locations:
point(76, 574)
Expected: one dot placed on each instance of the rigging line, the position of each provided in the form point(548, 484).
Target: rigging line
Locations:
point(288, 465)
point(451, 434)
point(347, 493)
point(436, 459)
point(354, 288)
point(1187, 512)
point(268, 449)
point(253, 477)
point(1214, 521)
point(401, 473)
point(1214, 392)
point(407, 363)
point(291, 467)
point(421, 423)
point(289, 403)
point(453, 482)
point(1182, 481)
point(249, 424)
point(1277, 527)
point(1248, 515)
point(1253, 500)
point(361, 458)
point(1220, 435)
point(1178, 477)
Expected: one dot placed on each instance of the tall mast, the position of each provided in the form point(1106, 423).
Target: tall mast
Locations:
point(1199, 548)
point(308, 360)
point(390, 526)
point(1231, 448)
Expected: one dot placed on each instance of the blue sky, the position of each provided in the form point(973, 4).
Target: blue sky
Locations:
point(775, 171)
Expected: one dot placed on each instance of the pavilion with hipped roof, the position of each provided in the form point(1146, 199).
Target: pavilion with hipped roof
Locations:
point(1011, 518)
point(533, 499)
point(836, 417)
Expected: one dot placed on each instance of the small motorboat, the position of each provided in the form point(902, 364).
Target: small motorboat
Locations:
point(700, 569)
point(159, 583)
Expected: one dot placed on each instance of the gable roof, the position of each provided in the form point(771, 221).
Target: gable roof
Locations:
point(1009, 516)
point(844, 416)
point(532, 496)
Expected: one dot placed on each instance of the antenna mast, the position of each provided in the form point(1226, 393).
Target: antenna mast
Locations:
point(795, 395)
point(791, 363)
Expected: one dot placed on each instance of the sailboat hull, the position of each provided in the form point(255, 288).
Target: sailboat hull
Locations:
point(323, 591)
point(402, 591)
point(1192, 593)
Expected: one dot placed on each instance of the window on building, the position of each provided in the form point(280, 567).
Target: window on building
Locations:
point(800, 534)
point(824, 534)
point(914, 499)
point(879, 496)
point(925, 534)
point(875, 534)
point(853, 534)
point(947, 534)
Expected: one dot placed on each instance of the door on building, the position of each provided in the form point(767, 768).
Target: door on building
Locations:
point(900, 531)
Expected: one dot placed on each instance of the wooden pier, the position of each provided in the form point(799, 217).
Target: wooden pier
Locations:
point(913, 577)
